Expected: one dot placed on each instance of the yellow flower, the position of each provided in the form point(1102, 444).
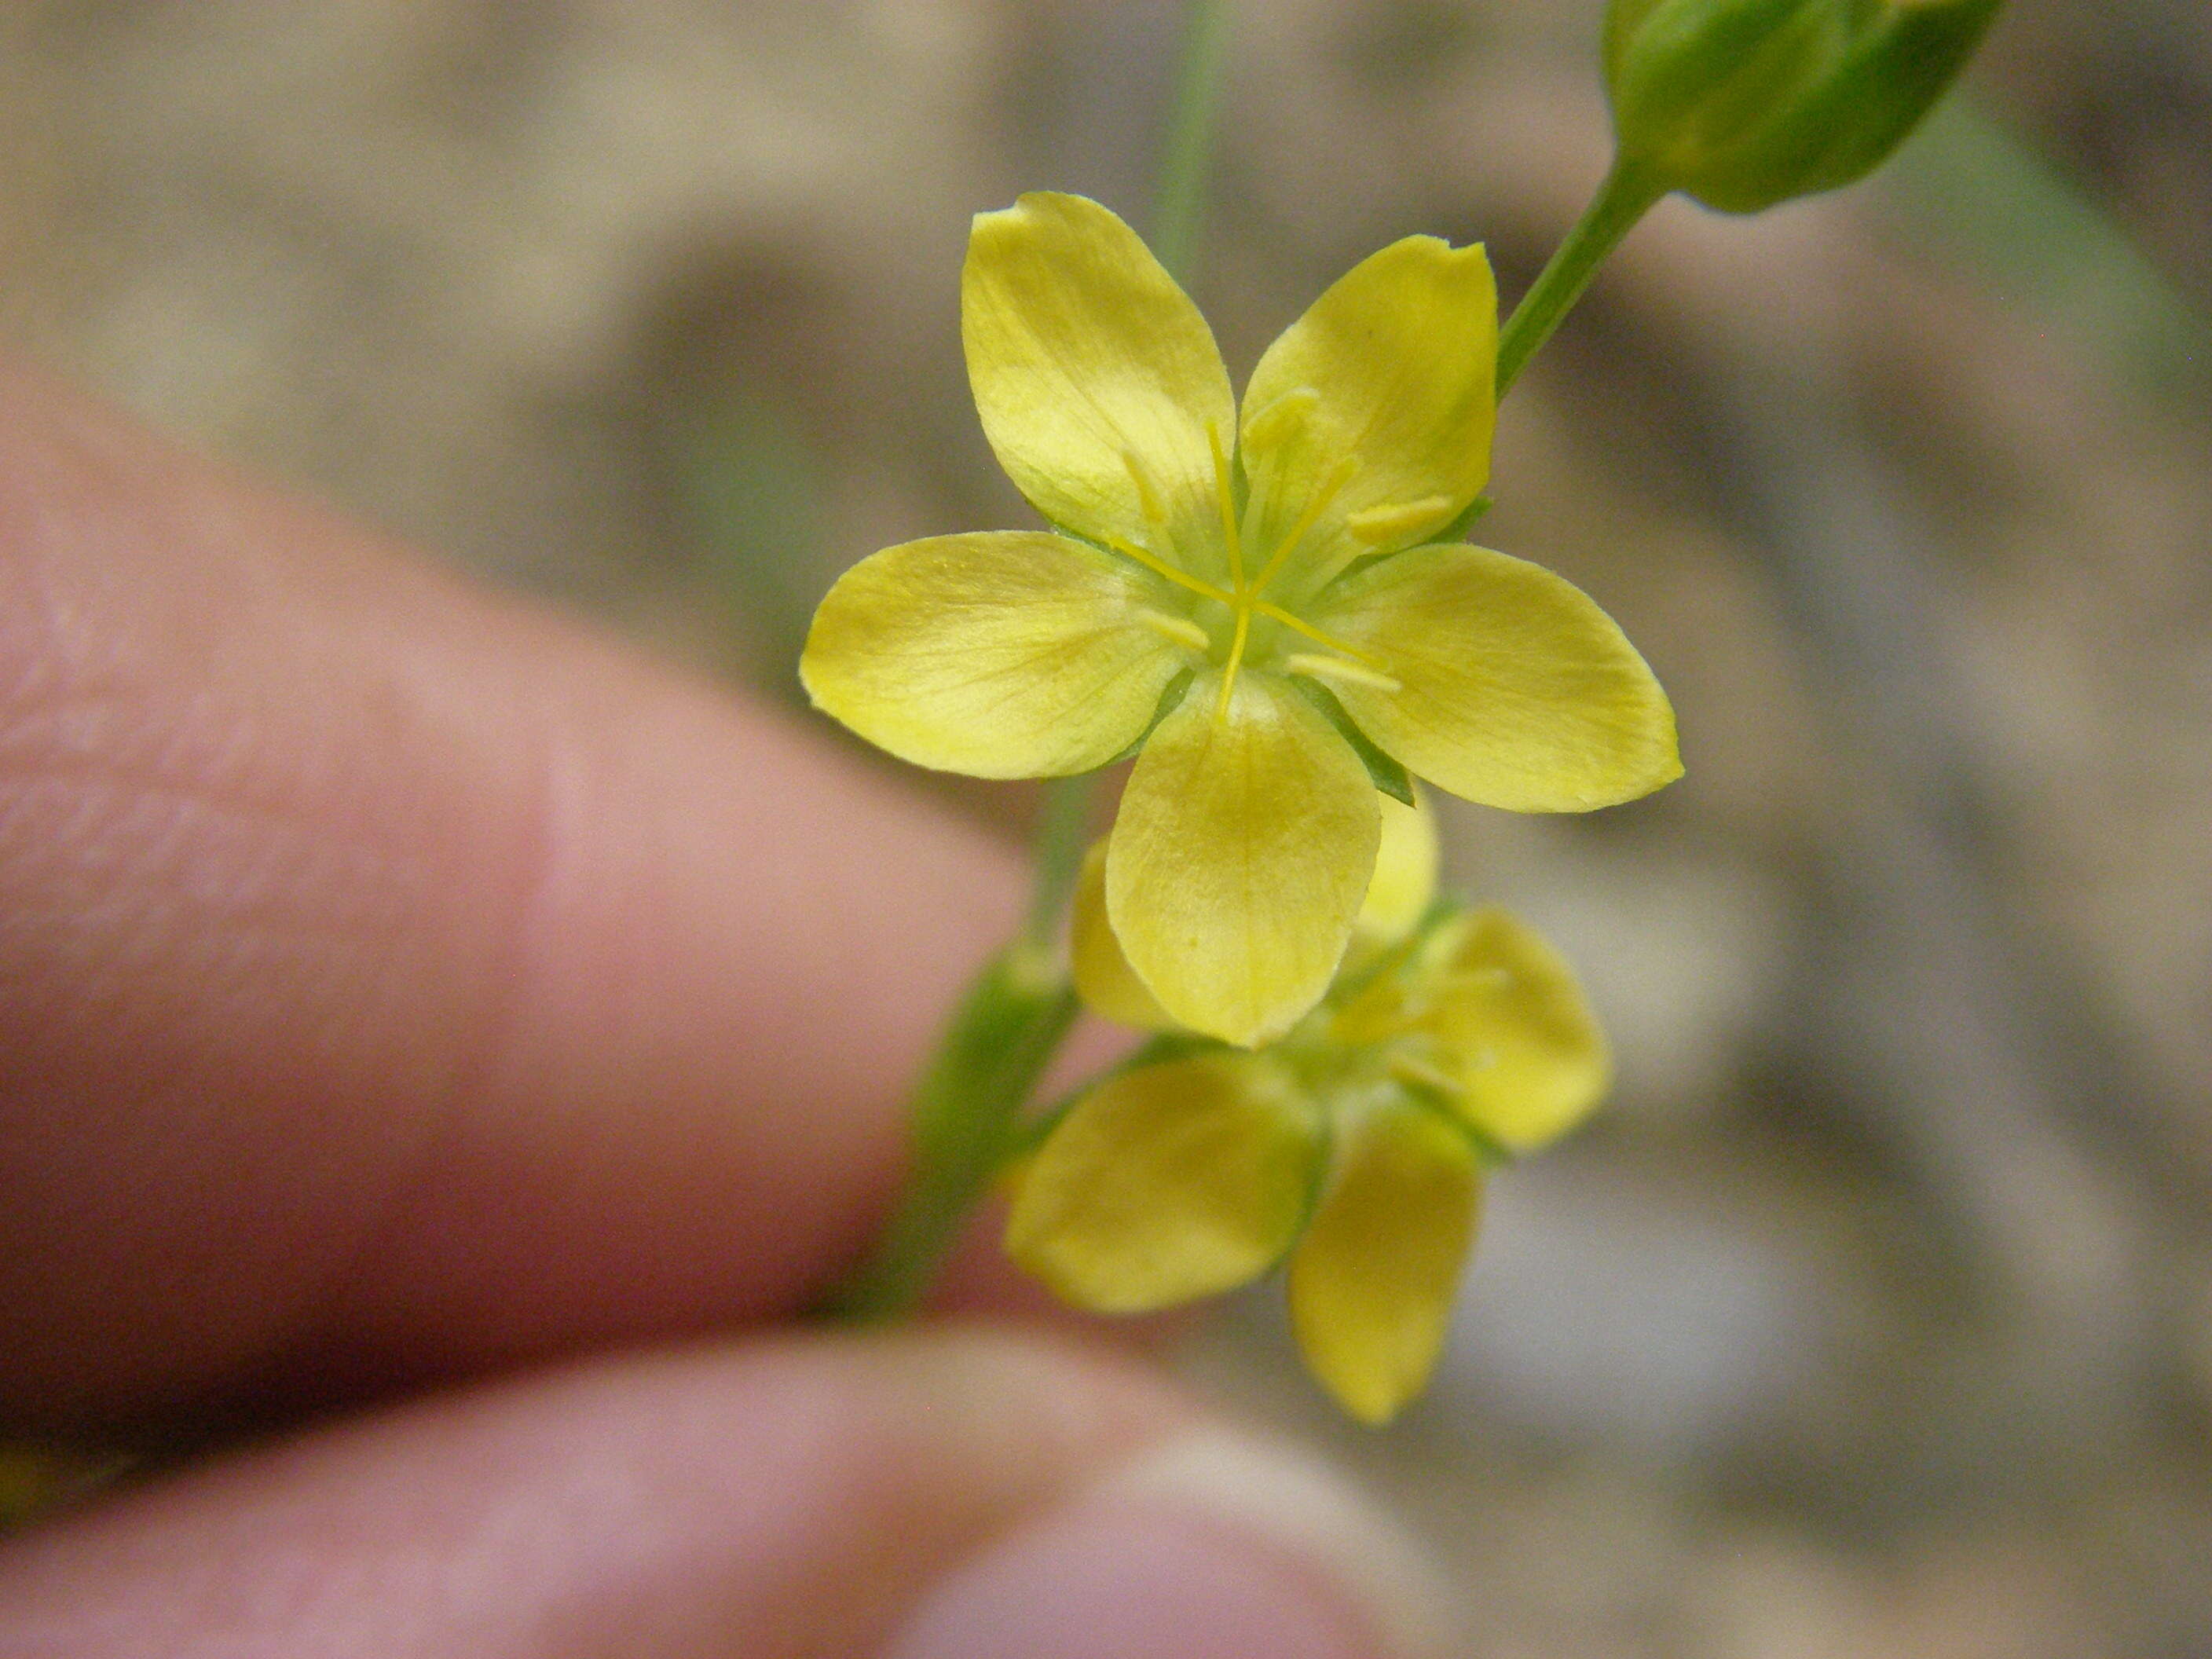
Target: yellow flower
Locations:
point(1258, 601)
point(1353, 1148)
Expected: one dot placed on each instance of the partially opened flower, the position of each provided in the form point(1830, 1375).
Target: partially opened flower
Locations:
point(1257, 600)
point(1352, 1150)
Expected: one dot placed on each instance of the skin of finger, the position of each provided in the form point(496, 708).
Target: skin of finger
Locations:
point(396, 979)
point(789, 1497)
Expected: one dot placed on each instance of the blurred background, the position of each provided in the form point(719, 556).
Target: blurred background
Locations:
point(1875, 1316)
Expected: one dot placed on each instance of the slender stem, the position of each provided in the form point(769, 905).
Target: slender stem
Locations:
point(1063, 834)
point(1627, 196)
point(1180, 197)
point(965, 1110)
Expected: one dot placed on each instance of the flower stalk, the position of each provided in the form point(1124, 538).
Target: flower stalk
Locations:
point(1627, 194)
point(963, 1121)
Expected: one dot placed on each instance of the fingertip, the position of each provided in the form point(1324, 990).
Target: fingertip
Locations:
point(404, 980)
point(969, 1491)
point(783, 1496)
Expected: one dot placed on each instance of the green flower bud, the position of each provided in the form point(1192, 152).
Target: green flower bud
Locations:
point(1746, 103)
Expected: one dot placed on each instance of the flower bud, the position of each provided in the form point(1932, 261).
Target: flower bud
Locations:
point(1746, 103)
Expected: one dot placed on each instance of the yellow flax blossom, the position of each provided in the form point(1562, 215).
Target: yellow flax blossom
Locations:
point(1257, 599)
point(1351, 1151)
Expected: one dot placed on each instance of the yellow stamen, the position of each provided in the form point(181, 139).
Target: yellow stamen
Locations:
point(1221, 487)
point(1271, 425)
point(1147, 502)
point(1338, 477)
point(1422, 1075)
point(1297, 625)
point(1336, 668)
point(1391, 521)
point(1180, 629)
point(1160, 566)
point(1235, 661)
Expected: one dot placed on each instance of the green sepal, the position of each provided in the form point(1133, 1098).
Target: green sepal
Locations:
point(1489, 1153)
point(1354, 983)
point(1457, 529)
point(1171, 697)
point(1392, 779)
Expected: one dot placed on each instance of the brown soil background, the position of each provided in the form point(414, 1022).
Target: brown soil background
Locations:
point(1875, 1316)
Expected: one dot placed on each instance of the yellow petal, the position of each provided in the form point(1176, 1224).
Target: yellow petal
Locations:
point(1243, 847)
point(1385, 391)
point(1095, 378)
point(1104, 977)
point(1514, 688)
point(1404, 882)
point(1404, 877)
point(1168, 1183)
point(1003, 654)
point(1371, 1284)
point(1527, 1051)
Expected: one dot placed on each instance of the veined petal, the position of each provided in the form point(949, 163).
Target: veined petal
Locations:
point(1095, 378)
point(1371, 1284)
point(1529, 1054)
point(1514, 688)
point(1385, 391)
point(1168, 1183)
point(1104, 977)
point(1404, 882)
point(1243, 847)
point(1003, 654)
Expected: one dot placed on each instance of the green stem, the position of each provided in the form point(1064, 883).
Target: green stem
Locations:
point(1181, 196)
point(1063, 834)
point(1626, 197)
point(964, 1116)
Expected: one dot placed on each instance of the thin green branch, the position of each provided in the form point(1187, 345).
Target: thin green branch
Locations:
point(1063, 834)
point(964, 1114)
point(1626, 197)
point(1180, 200)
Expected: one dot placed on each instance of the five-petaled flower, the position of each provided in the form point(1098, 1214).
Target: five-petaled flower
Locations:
point(1259, 601)
point(1352, 1150)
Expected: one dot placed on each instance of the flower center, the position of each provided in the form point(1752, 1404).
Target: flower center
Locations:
point(1243, 609)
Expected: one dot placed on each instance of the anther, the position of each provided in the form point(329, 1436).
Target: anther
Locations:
point(1391, 521)
point(1314, 667)
point(1182, 630)
point(1148, 503)
point(1282, 416)
point(1422, 1075)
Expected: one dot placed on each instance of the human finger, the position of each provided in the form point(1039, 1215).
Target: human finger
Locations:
point(397, 978)
point(920, 1497)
